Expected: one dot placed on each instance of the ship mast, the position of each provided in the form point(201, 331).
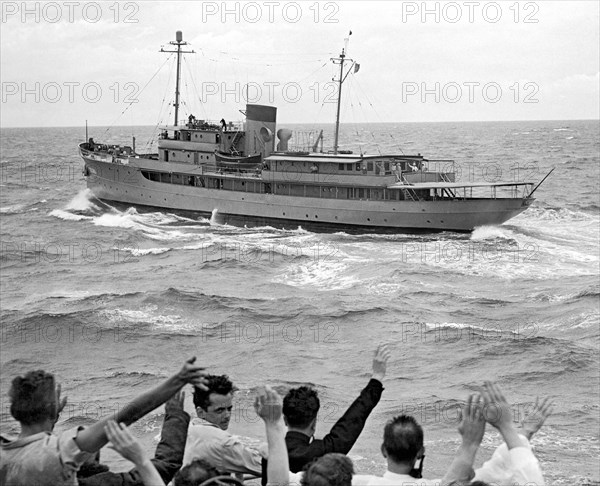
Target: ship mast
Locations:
point(178, 42)
point(340, 60)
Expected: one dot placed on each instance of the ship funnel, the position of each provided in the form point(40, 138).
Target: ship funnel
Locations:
point(178, 36)
point(260, 127)
point(283, 134)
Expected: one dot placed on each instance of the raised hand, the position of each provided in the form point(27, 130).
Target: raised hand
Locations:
point(124, 443)
point(193, 374)
point(268, 405)
point(175, 403)
point(60, 403)
point(382, 355)
point(472, 425)
point(499, 414)
point(127, 445)
point(533, 421)
point(497, 409)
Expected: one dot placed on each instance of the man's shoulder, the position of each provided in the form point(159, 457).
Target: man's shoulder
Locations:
point(390, 479)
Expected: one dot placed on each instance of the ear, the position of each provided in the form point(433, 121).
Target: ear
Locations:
point(285, 421)
point(421, 453)
point(383, 451)
point(200, 412)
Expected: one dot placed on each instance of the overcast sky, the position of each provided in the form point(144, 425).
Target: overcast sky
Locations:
point(65, 62)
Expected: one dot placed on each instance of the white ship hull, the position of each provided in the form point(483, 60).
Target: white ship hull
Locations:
point(125, 184)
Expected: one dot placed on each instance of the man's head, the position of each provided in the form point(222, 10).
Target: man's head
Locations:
point(195, 473)
point(199, 472)
point(215, 404)
point(300, 408)
point(329, 470)
point(403, 440)
point(34, 399)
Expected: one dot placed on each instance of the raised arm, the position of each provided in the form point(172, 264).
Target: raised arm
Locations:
point(346, 430)
point(471, 428)
point(499, 414)
point(534, 420)
point(94, 437)
point(126, 444)
point(269, 407)
point(516, 458)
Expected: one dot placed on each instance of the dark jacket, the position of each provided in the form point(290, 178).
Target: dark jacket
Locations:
point(343, 434)
point(341, 437)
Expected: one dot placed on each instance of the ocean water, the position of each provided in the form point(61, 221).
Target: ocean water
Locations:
point(114, 299)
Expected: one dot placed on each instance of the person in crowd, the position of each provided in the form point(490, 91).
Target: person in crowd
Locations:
point(199, 472)
point(40, 457)
point(168, 457)
point(512, 463)
point(403, 448)
point(301, 407)
point(208, 438)
point(268, 406)
point(126, 444)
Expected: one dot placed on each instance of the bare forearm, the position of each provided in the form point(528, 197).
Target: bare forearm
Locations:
point(93, 438)
point(278, 466)
point(510, 436)
point(149, 474)
point(146, 402)
point(461, 467)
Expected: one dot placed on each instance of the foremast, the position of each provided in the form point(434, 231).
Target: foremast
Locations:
point(178, 42)
point(340, 60)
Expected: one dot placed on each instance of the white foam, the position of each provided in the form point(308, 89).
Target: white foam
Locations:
point(490, 232)
point(82, 201)
point(14, 209)
point(65, 215)
point(147, 315)
point(146, 251)
point(121, 220)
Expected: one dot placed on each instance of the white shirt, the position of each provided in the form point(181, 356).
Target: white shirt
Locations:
point(509, 467)
point(42, 459)
point(221, 449)
point(388, 479)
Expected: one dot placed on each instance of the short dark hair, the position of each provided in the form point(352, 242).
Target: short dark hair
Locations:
point(402, 438)
point(33, 398)
point(330, 470)
point(194, 473)
point(221, 385)
point(301, 406)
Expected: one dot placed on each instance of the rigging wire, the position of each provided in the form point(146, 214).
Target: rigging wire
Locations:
point(135, 99)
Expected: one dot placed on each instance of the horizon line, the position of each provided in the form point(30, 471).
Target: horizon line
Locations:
point(341, 123)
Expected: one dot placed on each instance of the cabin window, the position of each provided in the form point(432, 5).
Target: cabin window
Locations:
point(386, 165)
point(358, 166)
point(341, 166)
point(361, 193)
point(369, 166)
